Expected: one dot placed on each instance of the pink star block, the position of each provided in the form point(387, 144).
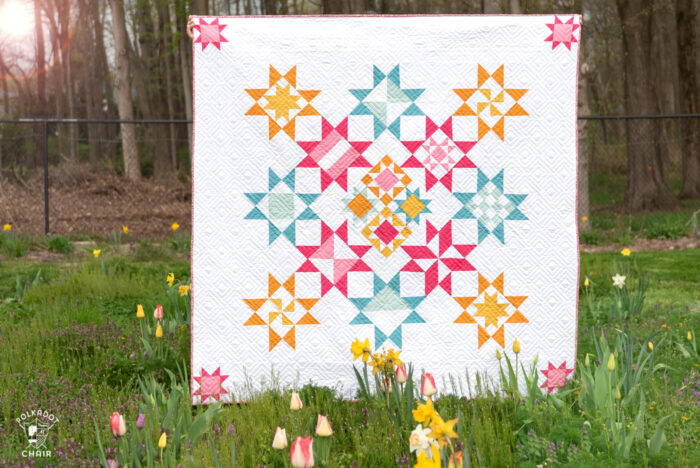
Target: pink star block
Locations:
point(210, 385)
point(562, 33)
point(210, 33)
point(556, 376)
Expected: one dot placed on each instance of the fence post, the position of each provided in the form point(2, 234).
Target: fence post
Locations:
point(45, 131)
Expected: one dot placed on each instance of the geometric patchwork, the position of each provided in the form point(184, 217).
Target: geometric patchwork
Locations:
point(490, 206)
point(562, 33)
point(386, 232)
point(555, 376)
point(280, 311)
point(210, 33)
point(493, 309)
point(386, 180)
point(281, 206)
point(210, 385)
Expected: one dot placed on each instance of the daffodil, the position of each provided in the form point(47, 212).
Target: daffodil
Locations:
point(425, 412)
point(428, 461)
point(96, 253)
point(184, 289)
point(174, 226)
point(442, 429)
point(584, 218)
point(393, 357)
point(359, 348)
point(377, 363)
point(418, 441)
point(7, 227)
point(619, 281)
point(170, 279)
point(625, 252)
point(125, 229)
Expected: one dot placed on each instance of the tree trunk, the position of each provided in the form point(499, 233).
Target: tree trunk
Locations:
point(583, 204)
point(646, 188)
point(333, 7)
point(122, 83)
point(687, 18)
point(200, 7)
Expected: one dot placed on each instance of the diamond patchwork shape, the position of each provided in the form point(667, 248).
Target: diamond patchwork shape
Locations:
point(386, 232)
point(386, 180)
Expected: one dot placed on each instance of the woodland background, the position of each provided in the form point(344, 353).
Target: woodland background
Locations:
point(131, 59)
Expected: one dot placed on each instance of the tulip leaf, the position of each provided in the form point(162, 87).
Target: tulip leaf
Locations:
point(659, 438)
point(201, 423)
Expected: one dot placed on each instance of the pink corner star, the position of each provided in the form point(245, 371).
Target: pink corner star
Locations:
point(210, 33)
point(562, 33)
point(556, 376)
point(210, 385)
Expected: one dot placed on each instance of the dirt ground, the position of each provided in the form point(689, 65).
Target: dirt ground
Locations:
point(90, 200)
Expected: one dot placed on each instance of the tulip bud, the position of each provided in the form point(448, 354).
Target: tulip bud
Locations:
point(689, 336)
point(159, 331)
point(651, 346)
point(117, 424)
point(158, 313)
point(295, 403)
point(280, 440)
point(587, 361)
point(618, 395)
point(427, 387)
point(301, 454)
point(323, 427)
point(611, 362)
point(163, 441)
point(141, 421)
point(586, 283)
point(139, 311)
point(401, 376)
point(516, 346)
point(498, 355)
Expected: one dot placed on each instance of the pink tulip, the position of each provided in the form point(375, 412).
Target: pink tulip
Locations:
point(158, 313)
point(302, 453)
point(111, 463)
point(427, 387)
point(401, 376)
point(117, 424)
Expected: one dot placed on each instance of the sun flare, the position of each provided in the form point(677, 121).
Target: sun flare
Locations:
point(14, 17)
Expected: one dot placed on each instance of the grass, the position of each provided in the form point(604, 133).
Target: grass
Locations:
point(69, 329)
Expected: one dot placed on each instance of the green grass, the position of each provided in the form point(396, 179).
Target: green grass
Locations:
point(68, 330)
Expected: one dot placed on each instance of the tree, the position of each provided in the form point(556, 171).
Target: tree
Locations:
point(646, 188)
point(688, 18)
point(122, 82)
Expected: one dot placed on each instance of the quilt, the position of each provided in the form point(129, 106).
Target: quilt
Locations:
point(407, 179)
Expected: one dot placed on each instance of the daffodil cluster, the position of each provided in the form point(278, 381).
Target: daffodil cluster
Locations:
point(431, 440)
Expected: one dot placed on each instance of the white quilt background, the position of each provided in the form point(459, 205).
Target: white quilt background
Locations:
point(231, 256)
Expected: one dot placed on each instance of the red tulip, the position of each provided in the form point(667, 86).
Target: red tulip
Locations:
point(117, 424)
point(158, 313)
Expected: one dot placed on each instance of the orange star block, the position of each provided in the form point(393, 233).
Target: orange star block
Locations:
point(283, 311)
point(281, 102)
point(491, 102)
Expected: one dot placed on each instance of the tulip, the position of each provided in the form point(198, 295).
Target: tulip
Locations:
point(111, 463)
point(159, 331)
point(323, 427)
point(301, 453)
point(689, 336)
point(586, 283)
point(651, 346)
point(427, 387)
point(158, 313)
point(295, 403)
point(141, 421)
point(588, 361)
point(611, 362)
point(163, 441)
point(498, 355)
point(117, 424)
point(618, 395)
point(516, 347)
point(280, 440)
point(401, 376)
point(139, 311)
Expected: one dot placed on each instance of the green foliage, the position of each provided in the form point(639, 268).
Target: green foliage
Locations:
point(13, 245)
point(60, 244)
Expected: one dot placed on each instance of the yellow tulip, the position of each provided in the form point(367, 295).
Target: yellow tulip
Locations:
point(516, 346)
point(159, 331)
point(586, 283)
point(651, 346)
point(498, 355)
point(174, 226)
point(7, 227)
point(139, 311)
point(163, 441)
point(689, 336)
point(618, 395)
point(96, 253)
point(611, 362)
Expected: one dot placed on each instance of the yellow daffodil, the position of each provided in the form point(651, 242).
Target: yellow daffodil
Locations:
point(424, 413)
point(393, 357)
point(163, 441)
point(457, 457)
point(625, 252)
point(159, 331)
point(377, 363)
point(96, 253)
point(359, 348)
point(516, 346)
point(7, 227)
point(442, 429)
point(139, 311)
point(684, 418)
point(174, 226)
point(423, 461)
point(170, 279)
point(584, 218)
point(586, 283)
point(125, 229)
point(184, 289)
point(611, 362)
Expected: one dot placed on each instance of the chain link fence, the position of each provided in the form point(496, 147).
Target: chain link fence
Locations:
point(64, 176)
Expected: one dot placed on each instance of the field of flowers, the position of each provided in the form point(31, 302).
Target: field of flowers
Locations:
point(98, 335)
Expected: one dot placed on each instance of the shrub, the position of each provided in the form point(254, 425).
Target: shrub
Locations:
point(60, 244)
